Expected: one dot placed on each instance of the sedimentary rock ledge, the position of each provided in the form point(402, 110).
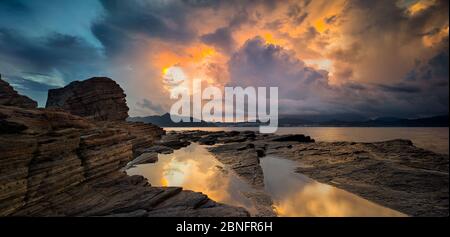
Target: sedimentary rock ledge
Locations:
point(99, 98)
point(395, 174)
point(54, 163)
point(120, 195)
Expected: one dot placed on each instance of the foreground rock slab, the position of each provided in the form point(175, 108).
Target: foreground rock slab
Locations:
point(120, 195)
point(395, 174)
point(53, 163)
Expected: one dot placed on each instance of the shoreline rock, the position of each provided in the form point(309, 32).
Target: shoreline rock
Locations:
point(395, 173)
point(54, 163)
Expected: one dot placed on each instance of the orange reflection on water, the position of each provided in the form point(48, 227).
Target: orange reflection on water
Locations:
point(325, 201)
point(293, 194)
point(194, 168)
point(297, 195)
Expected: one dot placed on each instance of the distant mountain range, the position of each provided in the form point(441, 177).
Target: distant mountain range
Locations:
point(300, 121)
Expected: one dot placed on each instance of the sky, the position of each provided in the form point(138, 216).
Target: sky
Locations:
point(343, 57)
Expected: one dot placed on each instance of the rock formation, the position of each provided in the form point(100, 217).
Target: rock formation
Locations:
point(98, 98)
point(10, 97)
point(395, 173)
point(54, 163)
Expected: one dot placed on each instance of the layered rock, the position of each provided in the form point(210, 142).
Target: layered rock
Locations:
point(119, 195)
point(40, 159)
point(10, 97)
point(142, 135)
point(57, 164)
point(98, 98)
point(104, 150)
point(395, 173)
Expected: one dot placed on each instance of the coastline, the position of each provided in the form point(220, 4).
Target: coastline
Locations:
point(69, 160)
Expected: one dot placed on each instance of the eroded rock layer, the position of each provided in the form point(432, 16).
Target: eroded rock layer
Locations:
point(57, 164)
point(99, 98)
point(10, 97)
point(395, 173)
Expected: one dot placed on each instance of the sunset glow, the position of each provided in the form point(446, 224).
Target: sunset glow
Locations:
point(327, 57)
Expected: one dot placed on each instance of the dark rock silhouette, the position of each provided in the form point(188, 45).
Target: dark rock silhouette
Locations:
point(98, 98)
point(10, 97)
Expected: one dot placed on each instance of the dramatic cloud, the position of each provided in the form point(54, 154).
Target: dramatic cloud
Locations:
point(148, 105)
point(221, 38)
point(260, 64)
point(56, 51)
point(125, 22)
point(360, 57)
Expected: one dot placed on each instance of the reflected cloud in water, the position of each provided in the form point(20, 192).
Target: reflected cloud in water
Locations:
point(194, 168)
point(293, 194)
point(297, 195)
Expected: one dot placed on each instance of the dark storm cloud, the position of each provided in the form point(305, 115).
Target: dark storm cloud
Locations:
point(388, 61)
point(221, 38)
point(55, 51)
point(303, 89)
point(35, 64)
point(400, 88)
point(434, 70)
point(217, 4)
point(260, 64)
point(147, 104)
point(124, 21)
point(15, 6)
point(439, 65)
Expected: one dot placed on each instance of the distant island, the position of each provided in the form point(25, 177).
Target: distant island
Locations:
point(305, 121)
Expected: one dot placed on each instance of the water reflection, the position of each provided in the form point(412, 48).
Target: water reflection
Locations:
point(297, 195)
point(194, 168)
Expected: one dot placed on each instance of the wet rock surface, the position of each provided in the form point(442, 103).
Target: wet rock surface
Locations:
point(120, 195)
point(395, 173)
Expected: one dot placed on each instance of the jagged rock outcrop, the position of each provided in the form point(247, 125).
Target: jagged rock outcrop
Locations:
point(10, 97)
point(53, 163)
point(98, 98)
point(56, 163)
